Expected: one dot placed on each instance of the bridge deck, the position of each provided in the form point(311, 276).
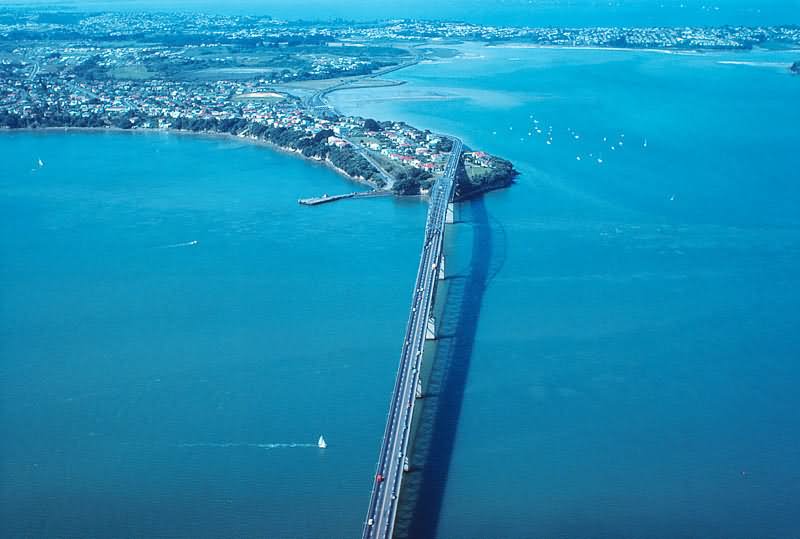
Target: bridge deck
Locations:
point(394, 446)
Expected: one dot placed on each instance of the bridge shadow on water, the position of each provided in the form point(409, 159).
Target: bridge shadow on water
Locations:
point(420, 506)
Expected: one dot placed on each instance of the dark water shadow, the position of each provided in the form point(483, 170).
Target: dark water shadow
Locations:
point(423, 489)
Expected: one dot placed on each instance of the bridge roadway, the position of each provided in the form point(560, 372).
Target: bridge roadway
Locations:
point(394, 447)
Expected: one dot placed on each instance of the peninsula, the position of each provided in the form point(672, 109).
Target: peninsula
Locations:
point(52, 80)
point(265, 80)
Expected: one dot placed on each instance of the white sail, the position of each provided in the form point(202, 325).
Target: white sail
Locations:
point(321, 443)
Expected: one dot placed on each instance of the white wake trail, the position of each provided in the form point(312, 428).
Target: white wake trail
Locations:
point(280, 445)
point(184, 244)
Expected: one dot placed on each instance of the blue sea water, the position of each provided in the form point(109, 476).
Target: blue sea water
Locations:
point(621, 349)
point(148, 383)
point(618, 352)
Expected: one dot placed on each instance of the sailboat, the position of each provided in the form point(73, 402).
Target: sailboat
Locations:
point(41, 163)
point(645, 143)
point(321, 443)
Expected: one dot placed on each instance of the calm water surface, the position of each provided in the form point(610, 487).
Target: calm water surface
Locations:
point(633, 369)
point(145, 381)
point(619, 351)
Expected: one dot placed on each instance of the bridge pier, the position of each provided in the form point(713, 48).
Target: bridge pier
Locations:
point(449, 214)
point(418, 393)
point(406, 465)
point(430, 329)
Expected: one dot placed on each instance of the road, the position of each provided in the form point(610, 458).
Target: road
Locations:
point(316, 101)
point(394, 446)
point(318, 105)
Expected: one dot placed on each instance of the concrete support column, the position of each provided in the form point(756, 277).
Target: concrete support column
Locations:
point(418, 393)
point(449, 214)
point(430, 329)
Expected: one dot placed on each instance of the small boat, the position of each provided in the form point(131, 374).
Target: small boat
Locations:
point(321, 443)
point(41, 163)
point(549, 142)
point(599, 161)
point(577, 157)
point(645, 144)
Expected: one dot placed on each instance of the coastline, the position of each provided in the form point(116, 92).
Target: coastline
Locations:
point(249, 140)
point(672, 52)
point(198, 134)
point(677, 52)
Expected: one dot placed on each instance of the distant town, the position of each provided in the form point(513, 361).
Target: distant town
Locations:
point(265, 80)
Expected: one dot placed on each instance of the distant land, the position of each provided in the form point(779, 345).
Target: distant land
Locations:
point(266, 80)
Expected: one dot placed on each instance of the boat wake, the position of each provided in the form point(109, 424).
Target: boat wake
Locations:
point(175, 245)
point(248, 445)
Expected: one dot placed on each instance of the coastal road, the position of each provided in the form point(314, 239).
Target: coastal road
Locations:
point(316, 104)
point(316, 101)
point(388, 178)
point(394, 446)
point(35, 71)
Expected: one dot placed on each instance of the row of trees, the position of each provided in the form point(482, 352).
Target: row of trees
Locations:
point(409, 181)
point(58, 119)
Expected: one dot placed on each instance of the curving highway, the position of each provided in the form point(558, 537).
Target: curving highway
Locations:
point(380, 519)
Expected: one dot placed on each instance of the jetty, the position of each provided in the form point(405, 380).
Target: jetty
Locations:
point(313, 201)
